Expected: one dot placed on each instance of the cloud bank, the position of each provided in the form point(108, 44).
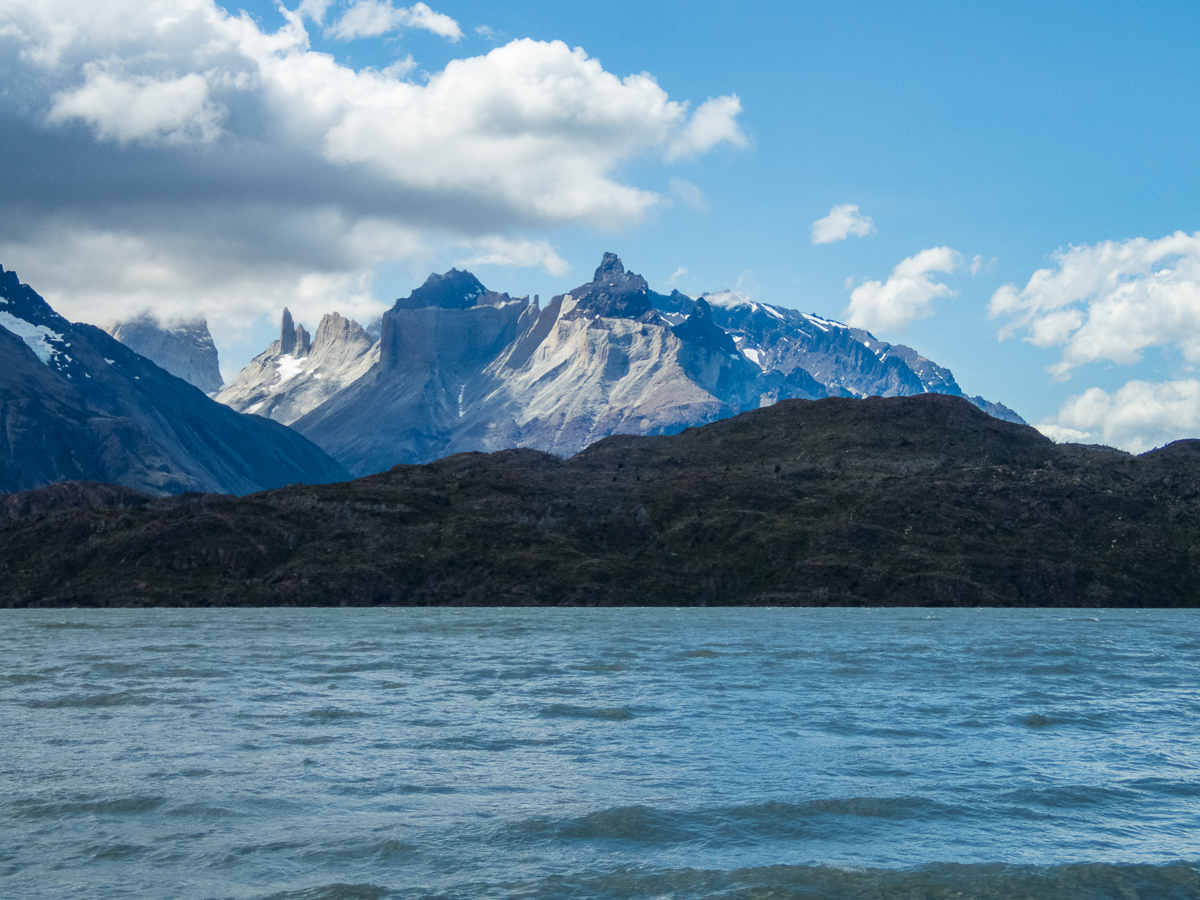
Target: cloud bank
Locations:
point(1138, 417)
point(842, 222)
point(906, 296)
point(1110, 302)
point(176, 157)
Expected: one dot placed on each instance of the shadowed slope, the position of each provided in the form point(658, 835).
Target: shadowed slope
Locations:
point(911, 500)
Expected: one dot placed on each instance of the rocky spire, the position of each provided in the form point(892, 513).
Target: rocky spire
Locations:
point(287, 334)
point(613, 291)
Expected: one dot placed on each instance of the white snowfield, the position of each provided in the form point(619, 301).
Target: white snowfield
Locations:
point(39, 338)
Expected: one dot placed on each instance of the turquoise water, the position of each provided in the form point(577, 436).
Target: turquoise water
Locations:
point(627, 753)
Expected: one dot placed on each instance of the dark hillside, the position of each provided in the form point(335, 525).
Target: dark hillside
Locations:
point(919, 500)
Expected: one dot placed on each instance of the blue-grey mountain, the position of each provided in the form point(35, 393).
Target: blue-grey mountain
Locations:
point(77, 404)
point(185, 349)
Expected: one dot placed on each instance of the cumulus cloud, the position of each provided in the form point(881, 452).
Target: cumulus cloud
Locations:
point(1138, 417)
point(1110, 301)
point(189, 158)
point(714, 122)
point(842, 222)
point(906, 296)
point(140, 108)
point(371, 18)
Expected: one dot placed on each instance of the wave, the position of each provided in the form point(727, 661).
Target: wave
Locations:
point(86, 701)
point(567, 711)
point(84, 805)
point(730, 825)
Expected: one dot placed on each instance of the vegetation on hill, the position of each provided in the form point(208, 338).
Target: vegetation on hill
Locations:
point(919, 500)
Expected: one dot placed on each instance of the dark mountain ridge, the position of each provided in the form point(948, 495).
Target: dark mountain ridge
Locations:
point(77, 404)
point(921, 500)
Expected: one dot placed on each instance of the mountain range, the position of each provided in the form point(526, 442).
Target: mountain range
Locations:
point(77, 404)
point(458, 367)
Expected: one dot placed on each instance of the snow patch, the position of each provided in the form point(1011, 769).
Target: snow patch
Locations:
point(751, 354)
point(289, 367)
point(111, 362)
point(37, 337)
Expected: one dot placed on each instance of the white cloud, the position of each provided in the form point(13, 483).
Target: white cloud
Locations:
point(496, 251)
point(175, 110)
point(314, 9)
point(371, 18)
point(714, 122)
point(906, 296)
point(1138, 417)
point(842, 222)
point(679, 273)
point(176, 156)
point(1110, 301)
point(96, 276)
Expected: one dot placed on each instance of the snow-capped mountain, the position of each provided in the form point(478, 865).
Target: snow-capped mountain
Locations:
point(459, 367)
point(464, 368)
point(185, 349)
point(77, 404)
point(846, 361)
point(297, 374)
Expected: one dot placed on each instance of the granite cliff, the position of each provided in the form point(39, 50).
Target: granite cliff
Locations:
point(185, 349)
point(459, 367)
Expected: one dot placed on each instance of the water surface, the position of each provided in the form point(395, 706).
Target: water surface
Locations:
point(626, 753)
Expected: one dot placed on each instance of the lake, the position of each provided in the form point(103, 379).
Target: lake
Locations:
point(617, 753)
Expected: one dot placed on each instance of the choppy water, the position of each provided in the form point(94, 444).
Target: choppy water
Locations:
point(535, 754)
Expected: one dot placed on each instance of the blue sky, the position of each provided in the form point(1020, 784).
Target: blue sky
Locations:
point(1006, 132)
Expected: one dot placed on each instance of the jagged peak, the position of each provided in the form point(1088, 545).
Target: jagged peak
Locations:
point(614, 292)
point(287, 333)
point(23, 302)
point(456, 289)
point(610, 269)
point(335, 328)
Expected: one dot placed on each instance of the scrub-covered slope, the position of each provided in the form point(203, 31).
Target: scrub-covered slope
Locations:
point(76, 404)
point(910, 500)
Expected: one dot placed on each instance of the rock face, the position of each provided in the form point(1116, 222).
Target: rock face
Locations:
point(458, 367)
point(463, 368)
point(915, 501)
point(297, 374)
point(78, 405)
point(184, 349)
